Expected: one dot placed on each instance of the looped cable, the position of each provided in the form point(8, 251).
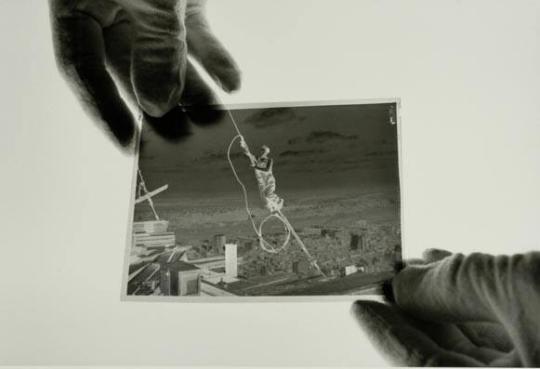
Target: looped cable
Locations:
point(265, 245)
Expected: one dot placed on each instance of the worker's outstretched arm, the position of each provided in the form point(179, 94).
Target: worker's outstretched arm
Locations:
point(251, 157)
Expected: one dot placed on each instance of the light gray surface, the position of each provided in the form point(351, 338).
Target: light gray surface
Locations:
point(466, 73)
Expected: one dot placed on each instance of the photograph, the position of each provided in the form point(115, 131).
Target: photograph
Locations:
point(275, 184)
point(277, 200)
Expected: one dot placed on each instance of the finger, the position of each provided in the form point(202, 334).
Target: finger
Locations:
point(478, 287)
point(396, 335)
point(198, 100)
point(485, 334)
point(460, 288)
point(433, 255)
point(452, 338)
point(118, 39)
point(199, 105)
point(208, 50)
point(443, 291)
point(197, 91)
point(80, 56)
point(414, 261)
point(428, 256)
point(510, 360)
point(173, 126)
point(159, 54)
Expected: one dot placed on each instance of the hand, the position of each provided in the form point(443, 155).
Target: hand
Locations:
point(458, 310)
point(141, 46)
point(243, 143)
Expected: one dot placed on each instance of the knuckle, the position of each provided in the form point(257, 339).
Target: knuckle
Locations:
point(156, 109)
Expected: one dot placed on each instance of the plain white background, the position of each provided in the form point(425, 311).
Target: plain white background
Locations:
point(467, 74)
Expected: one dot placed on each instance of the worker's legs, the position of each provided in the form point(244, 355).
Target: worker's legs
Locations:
point(274, 203)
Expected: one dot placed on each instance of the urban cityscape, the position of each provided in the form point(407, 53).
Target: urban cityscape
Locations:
point(200, 243)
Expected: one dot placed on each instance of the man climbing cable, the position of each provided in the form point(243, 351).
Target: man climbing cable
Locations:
point(267, 187)
point(265, 177)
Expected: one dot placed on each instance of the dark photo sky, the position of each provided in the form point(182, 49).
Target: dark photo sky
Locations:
point(317, 151)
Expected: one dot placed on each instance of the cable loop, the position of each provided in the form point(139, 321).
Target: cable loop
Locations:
point(265, 245)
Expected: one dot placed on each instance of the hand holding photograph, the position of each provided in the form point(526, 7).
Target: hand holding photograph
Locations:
point(272, 201)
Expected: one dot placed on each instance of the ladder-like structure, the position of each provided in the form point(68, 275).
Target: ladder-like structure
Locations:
point(145, 195)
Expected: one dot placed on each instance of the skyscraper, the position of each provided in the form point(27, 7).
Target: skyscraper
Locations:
point(218, 244)
point(231, 260)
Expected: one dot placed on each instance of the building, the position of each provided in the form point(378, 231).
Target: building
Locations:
point(214, 289)
point(350, 269)
point(245, 244)
point(258, 286)
point(144, 281)
point(358, 242)
point(151, 226)
point(213, 263)
point(177, 277)
point(152, 233)
point(218, 243)
point(231, 260)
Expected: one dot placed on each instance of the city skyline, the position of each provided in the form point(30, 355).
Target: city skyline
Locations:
point(337, 169)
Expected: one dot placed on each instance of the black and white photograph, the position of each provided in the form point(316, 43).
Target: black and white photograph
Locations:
point(240, 183)
point(271, 201)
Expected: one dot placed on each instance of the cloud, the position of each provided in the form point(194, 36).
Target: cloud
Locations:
point(321, 137)
point(270, 117)
point(211, 157)
point(325, 136)
point(296, 153)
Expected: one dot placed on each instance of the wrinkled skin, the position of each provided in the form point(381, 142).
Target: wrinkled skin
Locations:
point(456, 310)
point(141, 46)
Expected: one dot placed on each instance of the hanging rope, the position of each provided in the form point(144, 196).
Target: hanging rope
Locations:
point(265, 245)
point(258, 229)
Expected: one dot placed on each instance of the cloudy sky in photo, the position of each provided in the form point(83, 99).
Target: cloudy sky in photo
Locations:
point(317, 150)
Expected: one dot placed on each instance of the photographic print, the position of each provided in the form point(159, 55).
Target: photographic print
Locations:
point(272, 201)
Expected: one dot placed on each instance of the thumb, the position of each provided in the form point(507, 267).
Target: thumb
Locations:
point(478, 287)
point(402, 339)
point(159, 56)
point(433, 255)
